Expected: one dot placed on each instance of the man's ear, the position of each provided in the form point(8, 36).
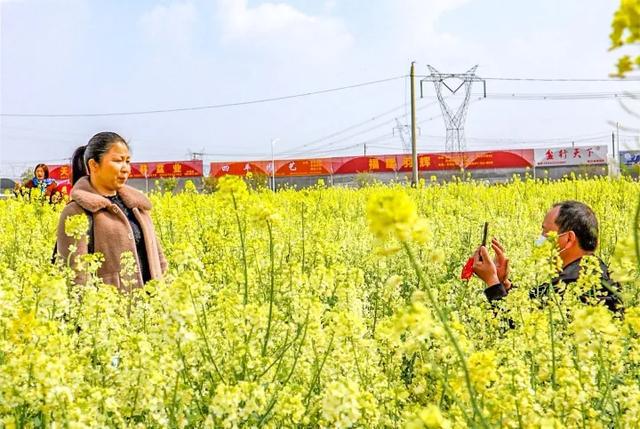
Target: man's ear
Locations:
point(574, 238)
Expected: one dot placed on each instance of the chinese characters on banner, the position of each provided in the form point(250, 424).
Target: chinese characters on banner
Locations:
point(60, 172)
point(560, 156)
point(377, 164)
point(156, 170)
point(140, 170)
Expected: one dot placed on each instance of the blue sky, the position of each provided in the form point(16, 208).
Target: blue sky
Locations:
point(88, 56)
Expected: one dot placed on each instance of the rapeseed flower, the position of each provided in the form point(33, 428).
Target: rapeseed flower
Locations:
point(329, 334)
point(391, 212)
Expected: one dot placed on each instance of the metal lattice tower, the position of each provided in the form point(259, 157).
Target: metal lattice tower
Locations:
point(403, 131)
point(454, 119)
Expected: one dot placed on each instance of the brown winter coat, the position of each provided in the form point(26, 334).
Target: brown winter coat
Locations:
point(112, 234)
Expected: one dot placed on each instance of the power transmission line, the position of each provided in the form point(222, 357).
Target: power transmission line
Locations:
point(533, 79)
point(530, 79)
point(563, 96)
point(554, 95)
point(266, 156)
point(288, 97)
point(194, 108)
point(374, 139)
point(382, 124)
point(498, 96)
point(351, 127)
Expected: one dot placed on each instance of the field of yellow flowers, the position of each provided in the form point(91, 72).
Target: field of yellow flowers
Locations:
point(326, 307)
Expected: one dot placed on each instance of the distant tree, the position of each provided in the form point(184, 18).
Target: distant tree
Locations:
point(626, 32)
point(364, 180)
point(257, 181)
point(209, 184)
point(169, 184)
point(26, 175)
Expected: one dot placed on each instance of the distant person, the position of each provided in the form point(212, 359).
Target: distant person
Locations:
point(41, 181)
point(576, 226)
point(119, 219)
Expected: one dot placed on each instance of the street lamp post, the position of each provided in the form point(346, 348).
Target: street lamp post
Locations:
point(273, 166)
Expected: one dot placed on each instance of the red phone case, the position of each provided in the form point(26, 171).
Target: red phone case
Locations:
point(467, 270)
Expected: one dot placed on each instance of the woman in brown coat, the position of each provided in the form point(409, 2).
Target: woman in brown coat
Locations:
point(119, 214)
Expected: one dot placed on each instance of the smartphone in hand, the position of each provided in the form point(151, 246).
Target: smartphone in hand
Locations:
point(484, 233)
point(467, 270)
point(485, 230)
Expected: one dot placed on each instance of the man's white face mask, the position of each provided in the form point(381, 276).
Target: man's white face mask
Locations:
point(540, 240)
point(543, 239)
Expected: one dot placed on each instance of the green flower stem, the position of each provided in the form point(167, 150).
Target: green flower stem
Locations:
point(553, 348)
point(316, 376)
point(443, 320)
point(203, 335)
point(245, 299)
point(636, 239)
point(274, 400)
point(303, 238)
point(271, 290)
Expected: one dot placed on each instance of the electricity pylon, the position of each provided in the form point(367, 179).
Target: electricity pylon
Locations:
point(454, 119)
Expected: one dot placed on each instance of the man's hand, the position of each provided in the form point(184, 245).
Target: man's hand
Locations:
point(501, 262)
point(485, 268)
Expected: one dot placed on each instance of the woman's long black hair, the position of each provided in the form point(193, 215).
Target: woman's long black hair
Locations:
point(95, 149)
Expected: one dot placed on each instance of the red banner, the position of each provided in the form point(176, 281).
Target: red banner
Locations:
point(156, 170)
point(303, 167)
point(284, 168)
point(60, 171)
point(520, 158)
point(140, 170)
point(240, 168)
point(477, 160)
point(366, 164)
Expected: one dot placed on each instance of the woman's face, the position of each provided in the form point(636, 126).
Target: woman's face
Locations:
point(40, 173)
point(113, 170)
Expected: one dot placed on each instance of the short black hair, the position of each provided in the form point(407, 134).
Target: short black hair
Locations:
point(579, 218)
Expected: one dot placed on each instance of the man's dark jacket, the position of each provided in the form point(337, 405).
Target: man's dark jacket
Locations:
point(605, 294)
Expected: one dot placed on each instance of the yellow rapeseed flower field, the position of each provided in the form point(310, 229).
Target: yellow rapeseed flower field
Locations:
point(326, 307)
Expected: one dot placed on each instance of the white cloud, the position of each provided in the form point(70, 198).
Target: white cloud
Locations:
point(283, 30)
point(171, 24)
point(330, 5)
point(418, 36)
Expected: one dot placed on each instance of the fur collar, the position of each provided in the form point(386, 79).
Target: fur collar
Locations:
point(89, 199)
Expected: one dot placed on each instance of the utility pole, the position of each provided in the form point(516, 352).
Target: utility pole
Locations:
point(273, 166)
point(364, 148)
point(613, 145)
point(618, 140)
point(618, 160)
point(612, 164)
point(414, 148)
